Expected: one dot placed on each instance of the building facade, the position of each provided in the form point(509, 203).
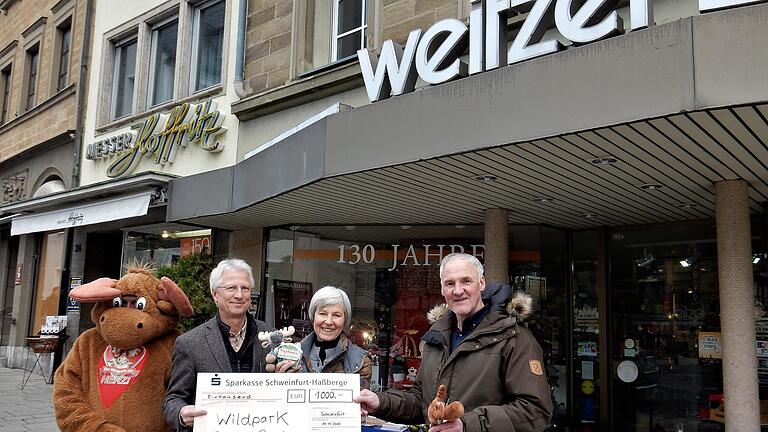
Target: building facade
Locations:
point(41, 92)
point(162, 78)
point(609, 161)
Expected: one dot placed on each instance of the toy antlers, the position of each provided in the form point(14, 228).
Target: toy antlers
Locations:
point(439, 412)
point(265, 336)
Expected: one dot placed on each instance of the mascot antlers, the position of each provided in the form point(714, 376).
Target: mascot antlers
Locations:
point(280, 347)
point(440, 412)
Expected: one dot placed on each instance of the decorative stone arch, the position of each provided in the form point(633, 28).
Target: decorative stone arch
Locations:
point(50, 181)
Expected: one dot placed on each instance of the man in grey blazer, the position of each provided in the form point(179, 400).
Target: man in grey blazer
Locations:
point(226, 343)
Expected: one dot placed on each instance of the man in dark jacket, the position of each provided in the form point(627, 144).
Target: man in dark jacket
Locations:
point(478, 351)
point(225, 343)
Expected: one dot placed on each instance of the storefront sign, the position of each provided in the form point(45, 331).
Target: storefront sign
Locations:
point(86, 214)
point(402, 255)
point(434, 56)
point(160, 135)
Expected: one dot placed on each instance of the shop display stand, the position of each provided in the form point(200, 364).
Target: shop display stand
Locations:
point(40, 345)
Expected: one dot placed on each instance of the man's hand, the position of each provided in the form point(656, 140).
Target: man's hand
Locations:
point(188, 414)
point(368, 401)
point(287, 366)
point(449, 426)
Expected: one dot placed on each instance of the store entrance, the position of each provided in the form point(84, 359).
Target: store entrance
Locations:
point(665, 350)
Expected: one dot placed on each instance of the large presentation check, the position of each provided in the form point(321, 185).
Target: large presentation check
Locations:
point(268, 402)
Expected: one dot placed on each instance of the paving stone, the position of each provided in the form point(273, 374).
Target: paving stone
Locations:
point(28, 409)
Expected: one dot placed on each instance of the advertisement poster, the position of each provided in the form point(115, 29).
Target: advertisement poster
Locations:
point(292, 306)
point(72, 304)
point(709, 345)
point(587, 348)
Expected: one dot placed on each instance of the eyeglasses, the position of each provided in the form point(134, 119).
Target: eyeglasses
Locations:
point(231, 290)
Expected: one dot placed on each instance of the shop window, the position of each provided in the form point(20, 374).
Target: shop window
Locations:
point(334, 30)
point(61, 60)
point(5, 85)
point(162, 245)
point(162, 61)
point(124, 78)
point(150, 248)
point(586, 329)
point(48, 281)
point(32, 69)
point(665, 341)
point(391, 275)
point(207, 45)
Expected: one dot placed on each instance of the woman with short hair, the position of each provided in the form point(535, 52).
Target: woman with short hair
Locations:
point(328, 348)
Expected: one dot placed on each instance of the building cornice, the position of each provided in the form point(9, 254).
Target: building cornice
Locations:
point(37, 24)
point(318, 86)
point(5, 4)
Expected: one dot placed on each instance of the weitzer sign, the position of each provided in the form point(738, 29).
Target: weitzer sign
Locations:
point(434, 55)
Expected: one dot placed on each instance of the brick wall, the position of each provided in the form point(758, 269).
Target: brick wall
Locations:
point(53, 113)
point(268, 44)
point(399, 17)
point(271, 32)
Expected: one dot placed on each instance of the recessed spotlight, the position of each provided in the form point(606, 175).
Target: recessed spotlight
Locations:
point(350, 227)
point(486, 177)
point(686, 206)
point(459, 226)
point(544, 200)
point(603, 160)
point(165, 234)
point(651, 186)
point(686, 262)
point(405, 227)
point(588, 215)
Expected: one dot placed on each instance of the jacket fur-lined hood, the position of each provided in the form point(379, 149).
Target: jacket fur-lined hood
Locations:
point(499, 295)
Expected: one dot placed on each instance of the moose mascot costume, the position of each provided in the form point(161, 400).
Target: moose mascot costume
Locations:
point(114, 377)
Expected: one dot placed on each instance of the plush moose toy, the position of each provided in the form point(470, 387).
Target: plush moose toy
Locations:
point(280, 347)
point(114, 377)
point(440, 412)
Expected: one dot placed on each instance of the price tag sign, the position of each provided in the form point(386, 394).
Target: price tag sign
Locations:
point(269, 402)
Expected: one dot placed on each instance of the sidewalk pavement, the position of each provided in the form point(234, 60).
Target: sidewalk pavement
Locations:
point(30, 409)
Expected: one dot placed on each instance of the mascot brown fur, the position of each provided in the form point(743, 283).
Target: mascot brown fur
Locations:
point(114, 377)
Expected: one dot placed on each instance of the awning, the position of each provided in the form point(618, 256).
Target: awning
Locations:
point(86, 214)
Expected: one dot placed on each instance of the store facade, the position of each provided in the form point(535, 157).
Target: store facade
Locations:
point(599, 179)
point(41, 89)
point(156, 110)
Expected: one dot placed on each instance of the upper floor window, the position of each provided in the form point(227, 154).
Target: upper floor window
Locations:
point(124, 78)
point(333, 30)
point(33, 63)
point(64, 43)
point(207, 45)
point(5, 85)
point(162, 61)
point(349, 26)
